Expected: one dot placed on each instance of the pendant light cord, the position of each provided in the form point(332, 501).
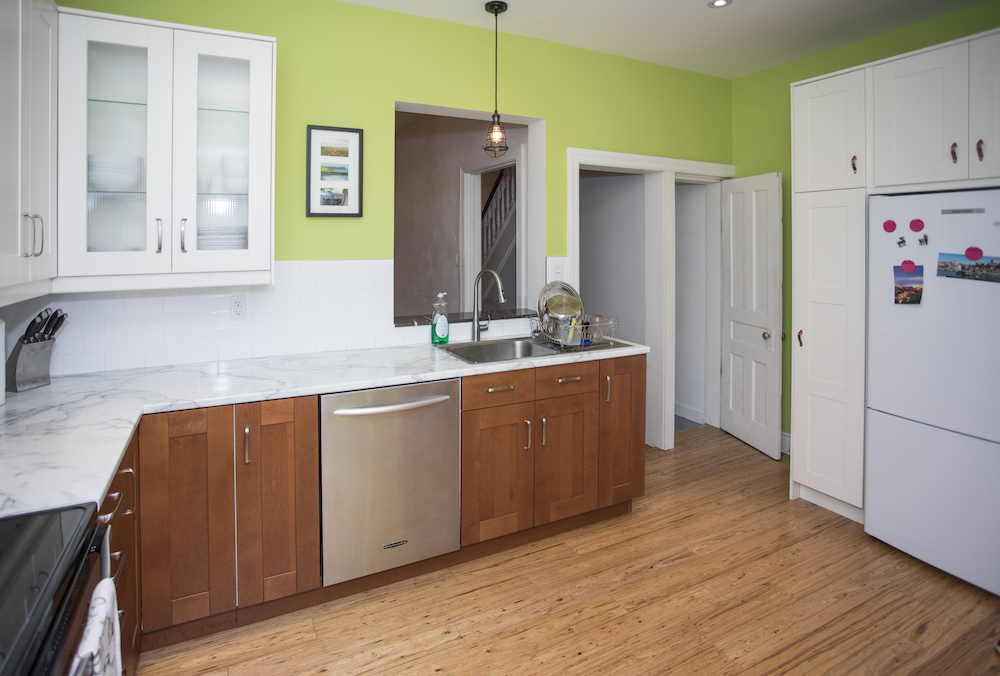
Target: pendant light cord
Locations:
point(496, 53)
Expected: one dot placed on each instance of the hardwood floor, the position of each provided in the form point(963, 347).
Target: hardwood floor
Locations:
point(714, 572)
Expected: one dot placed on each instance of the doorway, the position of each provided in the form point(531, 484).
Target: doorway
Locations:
point(658, 258)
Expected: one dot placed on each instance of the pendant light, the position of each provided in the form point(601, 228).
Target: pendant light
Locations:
point(496, 139)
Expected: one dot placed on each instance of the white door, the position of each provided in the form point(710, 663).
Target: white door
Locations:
point(751, 311)
point(984, 113)
point(921, 106)
point(222, 153)
point(828, 343)
point(828, 133)
point(114, 147)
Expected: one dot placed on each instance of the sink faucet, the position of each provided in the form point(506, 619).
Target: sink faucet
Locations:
point(477, 300)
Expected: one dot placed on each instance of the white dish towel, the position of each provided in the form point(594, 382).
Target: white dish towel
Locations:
point(101, 642)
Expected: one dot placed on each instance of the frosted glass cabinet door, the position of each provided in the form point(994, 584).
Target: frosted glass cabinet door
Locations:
point(114, 147)
point(984, 113)
point(922, 118)
point(828, 342)
point(222, 153)
point(829, 133)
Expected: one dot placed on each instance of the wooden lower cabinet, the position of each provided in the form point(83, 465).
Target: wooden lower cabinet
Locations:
point(566, 456)
point(622, 472)
point(261, 457)
point(124, 525)
point(497, 472)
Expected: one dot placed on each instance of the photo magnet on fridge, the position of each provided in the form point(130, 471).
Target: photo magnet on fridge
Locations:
point(973, 264)
point(909, 280)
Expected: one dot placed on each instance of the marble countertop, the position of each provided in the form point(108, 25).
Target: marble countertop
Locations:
point(61, 444)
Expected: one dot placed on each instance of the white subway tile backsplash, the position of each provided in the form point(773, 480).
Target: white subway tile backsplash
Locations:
point(314, 306)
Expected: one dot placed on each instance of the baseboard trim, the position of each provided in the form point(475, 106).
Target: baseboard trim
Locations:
point(786, 443)
point(689, 413)
point(826, 502)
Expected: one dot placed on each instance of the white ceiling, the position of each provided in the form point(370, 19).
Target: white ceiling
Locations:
point(747, 36)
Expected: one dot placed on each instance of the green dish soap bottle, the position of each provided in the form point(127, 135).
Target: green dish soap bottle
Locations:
point(439, 321)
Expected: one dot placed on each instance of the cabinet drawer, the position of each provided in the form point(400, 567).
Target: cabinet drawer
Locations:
point(565, 379)
point(498, 389)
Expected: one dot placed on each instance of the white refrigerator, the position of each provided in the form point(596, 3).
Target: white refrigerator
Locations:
point(932, 430)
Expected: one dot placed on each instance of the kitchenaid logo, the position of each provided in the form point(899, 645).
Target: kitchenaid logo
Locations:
point(963, 211)
point(395, 544)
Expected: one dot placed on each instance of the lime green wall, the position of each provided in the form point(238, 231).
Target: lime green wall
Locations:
point(762, 128)
point(344, 65)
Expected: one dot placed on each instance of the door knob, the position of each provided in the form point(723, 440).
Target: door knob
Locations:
point(767, 335)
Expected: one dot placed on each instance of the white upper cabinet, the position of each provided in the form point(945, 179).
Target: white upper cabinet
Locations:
point(921, 117)
point(29, 40)
point(828, 132)
point(165, 156)
point(984, 113)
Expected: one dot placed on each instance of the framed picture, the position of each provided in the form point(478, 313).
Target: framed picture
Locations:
point(333, 171)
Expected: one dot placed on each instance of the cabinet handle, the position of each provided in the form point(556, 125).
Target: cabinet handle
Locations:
point(800, 338)
point(130, 510)
point(979, 149)
point(544, 425)
point(246, 445)
point(120, 557)
point(607, 397)
point(183, 225)
point(42, 238)
point(854, 164)
point(574, 379)
point(121, 618)
point(491, 390)
point(528, 447)
point(159, 235)
point(32, 240)
point(954, 153)
point(106, 518)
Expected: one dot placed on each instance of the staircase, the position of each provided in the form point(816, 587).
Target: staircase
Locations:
point(499, 240)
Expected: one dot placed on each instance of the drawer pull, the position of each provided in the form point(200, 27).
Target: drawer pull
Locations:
point(607, 399)
point(106, 518)
point(120, 557)
point(491, 390)
point(574, 379)
point(246, 445)
point(135, 493)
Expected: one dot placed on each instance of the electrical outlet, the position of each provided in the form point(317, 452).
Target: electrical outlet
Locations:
point(237, 307)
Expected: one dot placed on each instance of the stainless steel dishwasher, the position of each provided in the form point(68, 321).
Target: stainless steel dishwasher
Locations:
point(391, 468)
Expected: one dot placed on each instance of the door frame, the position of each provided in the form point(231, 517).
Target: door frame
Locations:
point(470, 225)
point(661, 175)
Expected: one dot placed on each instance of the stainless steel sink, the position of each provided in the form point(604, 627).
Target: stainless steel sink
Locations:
point(499, 350)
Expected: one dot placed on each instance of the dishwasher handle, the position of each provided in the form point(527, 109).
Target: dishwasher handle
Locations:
point(392, 408)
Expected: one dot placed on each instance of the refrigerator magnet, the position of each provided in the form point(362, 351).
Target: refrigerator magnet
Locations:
point(916, 225)
point(889, 226)
point(909, 280)
point(972, 264)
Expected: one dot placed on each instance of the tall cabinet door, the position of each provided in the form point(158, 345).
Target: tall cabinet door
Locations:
point(39, 44)
point(497, 471)
point(828, 343)
point(222, 153)
point(277, 498)
point(921, 113)
point(114, 147)
point(828, 132)
point(622, 453)
point(566, 456)
point(984, 113)
point(187, 520)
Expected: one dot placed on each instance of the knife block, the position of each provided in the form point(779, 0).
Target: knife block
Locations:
point(28, 365)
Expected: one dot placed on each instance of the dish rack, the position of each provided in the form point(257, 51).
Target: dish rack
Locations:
point(567, 334)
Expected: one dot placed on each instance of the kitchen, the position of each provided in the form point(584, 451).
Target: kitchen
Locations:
point(721, 119)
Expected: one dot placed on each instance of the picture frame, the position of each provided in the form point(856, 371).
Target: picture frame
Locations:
point(334, 166)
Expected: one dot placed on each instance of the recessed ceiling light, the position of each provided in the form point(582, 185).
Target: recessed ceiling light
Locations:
point(716, 4)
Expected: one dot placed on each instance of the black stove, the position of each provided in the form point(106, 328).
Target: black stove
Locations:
point(42, 557)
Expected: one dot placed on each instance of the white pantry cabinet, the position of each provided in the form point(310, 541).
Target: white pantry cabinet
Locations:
point(165, 156)
point(28, 47)
point(828, 342)
point(984, 114)
point(828, 129)
point(921, 117)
